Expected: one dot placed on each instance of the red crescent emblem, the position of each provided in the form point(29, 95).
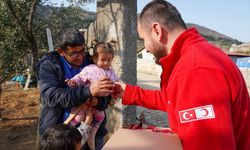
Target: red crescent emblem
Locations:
point(204, 112)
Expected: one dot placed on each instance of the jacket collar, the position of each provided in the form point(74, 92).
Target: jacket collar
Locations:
point(180, 45)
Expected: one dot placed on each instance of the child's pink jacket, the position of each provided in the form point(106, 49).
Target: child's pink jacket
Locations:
point(93, 73)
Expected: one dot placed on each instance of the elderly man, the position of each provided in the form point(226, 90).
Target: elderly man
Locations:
point(56, 97)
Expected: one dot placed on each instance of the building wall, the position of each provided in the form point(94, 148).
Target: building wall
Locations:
point(246, 74)
point(245, 48)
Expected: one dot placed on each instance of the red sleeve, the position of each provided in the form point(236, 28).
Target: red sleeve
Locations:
point(152, 99)
point(198, 89)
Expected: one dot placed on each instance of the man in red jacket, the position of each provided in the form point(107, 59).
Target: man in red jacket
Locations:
point(202, 89)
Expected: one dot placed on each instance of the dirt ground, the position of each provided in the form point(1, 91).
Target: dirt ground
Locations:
point(19, 116)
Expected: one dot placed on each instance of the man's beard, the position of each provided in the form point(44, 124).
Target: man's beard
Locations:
point(157, 60)
point(159, 53)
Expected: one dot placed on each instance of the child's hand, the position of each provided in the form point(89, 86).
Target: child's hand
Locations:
point(71, 83)
point(89, 116)
point(93, 101)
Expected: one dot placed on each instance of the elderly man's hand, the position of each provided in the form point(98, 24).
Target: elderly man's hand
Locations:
point(101, 88)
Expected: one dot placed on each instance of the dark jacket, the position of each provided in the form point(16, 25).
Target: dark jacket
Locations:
point(55, 95)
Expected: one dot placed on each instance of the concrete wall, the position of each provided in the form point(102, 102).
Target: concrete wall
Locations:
point(147, 64)
point(245, 48)
point(148, 67)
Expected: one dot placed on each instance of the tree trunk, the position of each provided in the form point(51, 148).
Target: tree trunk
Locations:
point(1, 117)
point(117, 21)
point(128, 56)
point(34, 51)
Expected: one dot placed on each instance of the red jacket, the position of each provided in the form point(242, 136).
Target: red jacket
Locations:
point(204, 94)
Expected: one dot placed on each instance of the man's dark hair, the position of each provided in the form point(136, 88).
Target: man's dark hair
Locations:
point(70, 37)
point(60, 137)
point(162, 12)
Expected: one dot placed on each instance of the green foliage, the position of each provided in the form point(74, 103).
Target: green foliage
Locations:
point(59, 18)
point(13, 44)
point(80, 2)
point(222, 42)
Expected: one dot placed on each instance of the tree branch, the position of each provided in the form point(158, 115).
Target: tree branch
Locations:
point(12, 10)
point(3, 77)
point(31, 14)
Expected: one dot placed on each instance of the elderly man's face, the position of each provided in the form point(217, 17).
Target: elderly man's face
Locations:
point(75, 55)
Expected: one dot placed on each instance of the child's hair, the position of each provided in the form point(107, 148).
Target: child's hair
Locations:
point(103, 47)
point(60, 137)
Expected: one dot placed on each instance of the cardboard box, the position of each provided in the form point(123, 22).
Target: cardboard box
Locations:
point(126, 139)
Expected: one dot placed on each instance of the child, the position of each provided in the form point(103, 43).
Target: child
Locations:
point(103, 55)
point(66, 137)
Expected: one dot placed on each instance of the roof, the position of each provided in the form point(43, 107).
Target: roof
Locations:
point(237, 54)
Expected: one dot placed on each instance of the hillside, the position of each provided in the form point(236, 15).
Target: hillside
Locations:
point(208, 32)
point(46, 12)
point(71, 16)
point(221, 40)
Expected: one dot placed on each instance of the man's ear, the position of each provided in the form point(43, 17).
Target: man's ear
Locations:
point(159, 32)
point(164, 38)
point(60, 51)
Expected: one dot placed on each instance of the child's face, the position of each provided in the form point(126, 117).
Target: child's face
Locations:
point(104, 60)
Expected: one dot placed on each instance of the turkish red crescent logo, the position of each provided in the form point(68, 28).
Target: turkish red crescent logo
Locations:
point(204, 112)
point(187, 115)
point(197, 113)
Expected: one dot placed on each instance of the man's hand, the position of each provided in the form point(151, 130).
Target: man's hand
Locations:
point(101, 88)
point(119, 89)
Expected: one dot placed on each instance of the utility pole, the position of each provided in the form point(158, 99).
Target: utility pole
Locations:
point(49, 39)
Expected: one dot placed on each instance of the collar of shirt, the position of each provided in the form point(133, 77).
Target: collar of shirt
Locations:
point(109, 68)
point(69, 71)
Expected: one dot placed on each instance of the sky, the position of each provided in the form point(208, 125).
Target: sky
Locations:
point(229, 17)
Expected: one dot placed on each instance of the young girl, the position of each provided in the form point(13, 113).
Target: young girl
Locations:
point(103, 55)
